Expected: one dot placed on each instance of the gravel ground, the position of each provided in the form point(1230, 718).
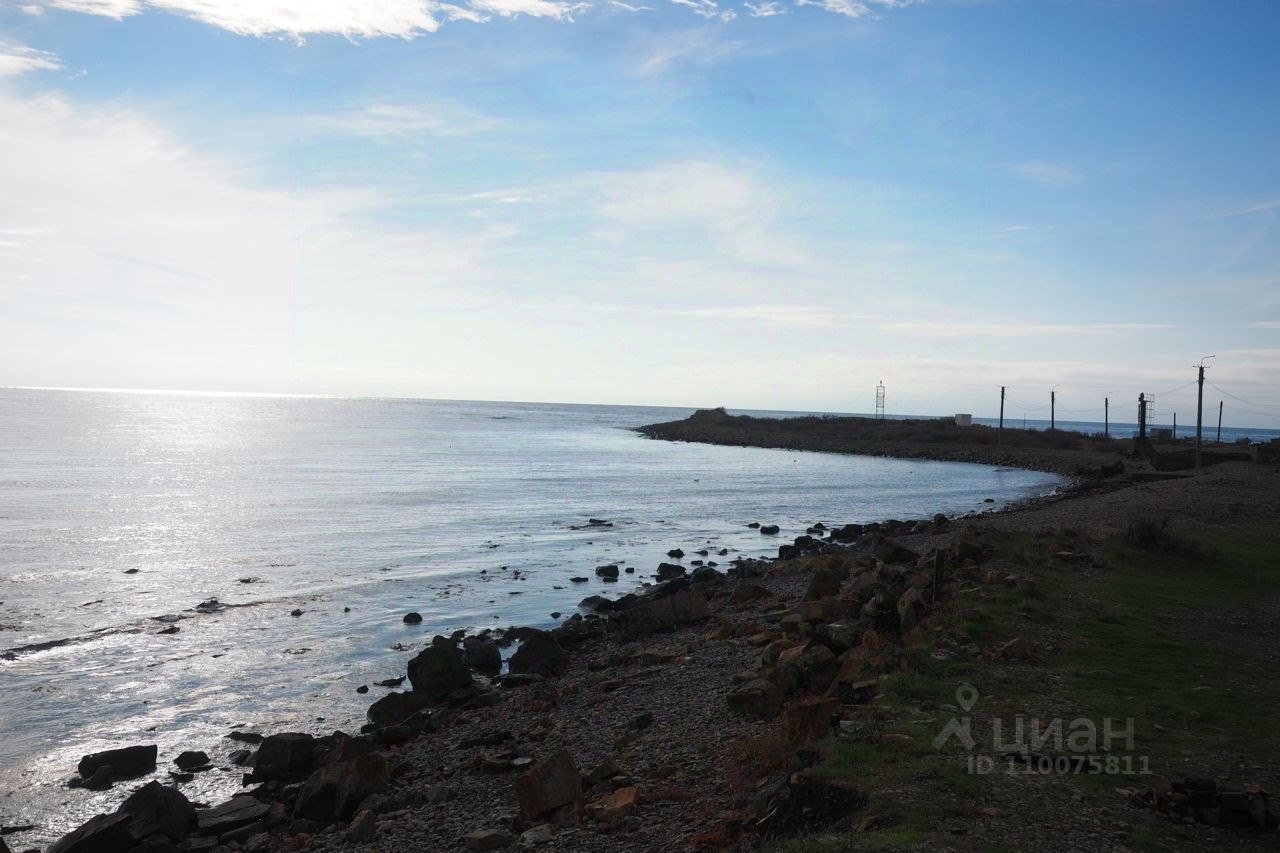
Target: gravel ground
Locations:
point(681, 763)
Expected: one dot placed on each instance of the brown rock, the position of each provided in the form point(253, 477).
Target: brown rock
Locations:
point(759, 698)
point(550, 784)
point(613, 806)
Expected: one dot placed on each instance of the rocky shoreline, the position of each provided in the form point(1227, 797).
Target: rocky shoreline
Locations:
point(677, 717)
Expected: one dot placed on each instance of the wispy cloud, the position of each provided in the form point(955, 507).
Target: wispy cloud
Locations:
point(397, 121)
point(1016, 330)
point(855, 8)
point(697, 47)
point(1261, 207)
point(18, 59)
point(533, 8)
point(765, 9)
point(1051, 174)
point(117, 9)
point(1266, 324)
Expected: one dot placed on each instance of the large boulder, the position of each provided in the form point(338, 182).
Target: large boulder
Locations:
point(106, 833)
point(236, 813)
point(823, 583)
point(124, 762)
point(539, 654)
point(549, 784)
point(158, 810)
point(661, 613)
point(396, 707)
point(284, 756)
point(758, 698)
point(438, 670)
point(669, 571)
point(335, 791)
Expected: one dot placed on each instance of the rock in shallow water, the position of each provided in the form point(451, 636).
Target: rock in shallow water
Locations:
point(125, 762)
point(438, 670)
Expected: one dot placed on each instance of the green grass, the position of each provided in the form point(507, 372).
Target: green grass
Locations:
point(1149, 628)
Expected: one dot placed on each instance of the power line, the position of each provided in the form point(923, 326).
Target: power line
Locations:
point(1175, 390)
point(1243, 400)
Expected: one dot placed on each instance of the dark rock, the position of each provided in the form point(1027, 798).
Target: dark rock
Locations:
point(125, 762)
point(539, 654)
point(483, 655)
point(706, 574)
point(239, 811)
point(158, 809)
point(675, 554)
point(191, 759)
point(297, 611)
point(641, 721)
point(439, 670)
point(609, 571)
point(579, 580)
point(848, 532)
point(284, 756)
point(395, 708)
point(413, 618)
point(245, 737)
point(596, 604)
point(758, 698)
point(669, 571)
point(551, 783)
point(769, 529)
point(239, 757)
point(336, 790)
point(663, 612)
point(102, 834)
point(100, 779)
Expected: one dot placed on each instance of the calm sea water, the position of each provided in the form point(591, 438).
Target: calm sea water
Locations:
point(116, 509)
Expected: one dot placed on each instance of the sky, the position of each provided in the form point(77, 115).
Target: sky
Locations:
point(774, 204)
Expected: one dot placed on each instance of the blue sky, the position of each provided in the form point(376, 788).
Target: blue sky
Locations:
point(769, 205)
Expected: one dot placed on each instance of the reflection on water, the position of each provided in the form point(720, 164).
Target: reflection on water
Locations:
point(116, 509)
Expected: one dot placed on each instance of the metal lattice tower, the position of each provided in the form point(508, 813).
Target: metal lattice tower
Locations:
point(880, 401)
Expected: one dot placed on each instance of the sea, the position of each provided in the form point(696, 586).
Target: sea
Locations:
point(308, 528)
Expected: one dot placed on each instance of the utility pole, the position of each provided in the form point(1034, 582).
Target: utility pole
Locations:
point(1175, 426)
point(1053, 396)
point(1106, 417)
point(1000, 431)
point(1142, 416)
point(1200, 407)
point(1219, 422)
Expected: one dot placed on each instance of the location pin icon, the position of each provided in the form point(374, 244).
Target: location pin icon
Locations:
point(967, 696)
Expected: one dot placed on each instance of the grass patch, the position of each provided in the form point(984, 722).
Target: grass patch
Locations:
point(1164, 631)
